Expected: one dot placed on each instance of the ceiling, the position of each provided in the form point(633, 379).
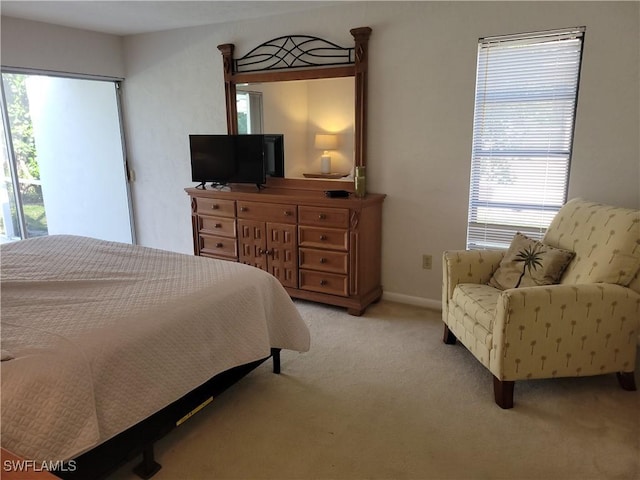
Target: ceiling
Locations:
point(132, 17)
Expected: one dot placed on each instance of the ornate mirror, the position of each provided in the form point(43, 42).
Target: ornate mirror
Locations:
point(312, 91)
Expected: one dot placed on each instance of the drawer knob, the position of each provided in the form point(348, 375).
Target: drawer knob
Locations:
point(287, 213)
point(323, 237)
point(322, 216)
point(215, 206)
point(323, 260)
point(219, 245)
point(323, 282)
point(243, 209)
point(217, 225)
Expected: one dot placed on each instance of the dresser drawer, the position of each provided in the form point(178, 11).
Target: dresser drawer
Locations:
point(225, 227)
point(213, 206)
point(324, 260)
point(268, 212)
point(333, 238)
point(324, 217)
point(219, 246)
point(324, 282)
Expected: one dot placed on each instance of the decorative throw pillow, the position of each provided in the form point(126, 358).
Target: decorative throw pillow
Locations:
point(528, 263)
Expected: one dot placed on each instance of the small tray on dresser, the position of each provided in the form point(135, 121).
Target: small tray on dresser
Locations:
point(325, 175)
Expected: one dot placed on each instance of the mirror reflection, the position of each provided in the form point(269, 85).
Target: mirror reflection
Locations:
point(317, 118)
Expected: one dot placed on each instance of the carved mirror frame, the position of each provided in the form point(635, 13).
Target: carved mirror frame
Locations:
point(302, 57)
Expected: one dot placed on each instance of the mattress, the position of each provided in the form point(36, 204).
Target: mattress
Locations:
point(98, 335)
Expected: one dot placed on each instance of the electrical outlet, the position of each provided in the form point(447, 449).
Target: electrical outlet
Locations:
point(426, 262)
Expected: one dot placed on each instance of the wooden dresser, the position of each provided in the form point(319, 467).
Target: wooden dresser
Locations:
point(321, 249)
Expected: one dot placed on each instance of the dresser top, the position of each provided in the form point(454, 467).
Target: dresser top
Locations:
point(283, 195)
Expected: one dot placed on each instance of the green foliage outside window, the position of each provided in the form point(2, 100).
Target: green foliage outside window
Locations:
point(24, 148)
point(24, 144)
point(242, 123)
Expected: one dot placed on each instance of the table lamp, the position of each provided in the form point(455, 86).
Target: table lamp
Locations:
point(326, 142)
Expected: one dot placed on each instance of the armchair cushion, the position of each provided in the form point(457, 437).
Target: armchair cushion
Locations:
point(479, 302)
point(606, 240)
point(529, 263)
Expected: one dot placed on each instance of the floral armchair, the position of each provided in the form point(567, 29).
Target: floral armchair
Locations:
point(584, 322)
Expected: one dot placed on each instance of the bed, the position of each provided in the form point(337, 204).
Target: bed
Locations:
point(99, 336)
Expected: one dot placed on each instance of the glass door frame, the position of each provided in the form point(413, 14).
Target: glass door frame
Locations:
point(118, 85)
point(13, 169)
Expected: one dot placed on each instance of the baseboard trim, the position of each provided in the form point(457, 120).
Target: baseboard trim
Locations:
point(411, 300)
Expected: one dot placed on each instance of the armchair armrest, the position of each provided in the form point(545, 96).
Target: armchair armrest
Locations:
point(564, 330)
point(468, 266)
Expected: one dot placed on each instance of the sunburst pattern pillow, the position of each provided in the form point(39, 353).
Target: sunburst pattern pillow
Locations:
point(529, 263)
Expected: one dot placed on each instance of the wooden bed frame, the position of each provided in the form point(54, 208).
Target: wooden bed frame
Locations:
point(107, 457)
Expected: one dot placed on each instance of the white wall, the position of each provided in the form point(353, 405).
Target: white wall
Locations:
point(42, 46)
point(421, 89)
point(332, 110)
point(77, 135)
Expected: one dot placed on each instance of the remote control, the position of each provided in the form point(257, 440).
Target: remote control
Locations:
point(336, 193)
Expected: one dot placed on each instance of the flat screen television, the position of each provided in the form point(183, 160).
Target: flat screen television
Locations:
point(274, 154)
point(223, 159)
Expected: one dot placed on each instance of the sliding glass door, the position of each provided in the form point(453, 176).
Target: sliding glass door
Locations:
point(63, 159)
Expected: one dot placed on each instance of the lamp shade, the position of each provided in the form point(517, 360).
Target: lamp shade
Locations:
point(325, 141)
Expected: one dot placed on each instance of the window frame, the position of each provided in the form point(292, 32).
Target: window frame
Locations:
point(483, 233)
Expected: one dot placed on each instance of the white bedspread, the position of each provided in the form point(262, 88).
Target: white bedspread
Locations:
point(104, 334)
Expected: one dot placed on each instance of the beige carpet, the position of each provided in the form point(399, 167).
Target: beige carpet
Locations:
point(381, 397)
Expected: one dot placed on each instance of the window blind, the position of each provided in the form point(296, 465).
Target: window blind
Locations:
point(525, 103)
